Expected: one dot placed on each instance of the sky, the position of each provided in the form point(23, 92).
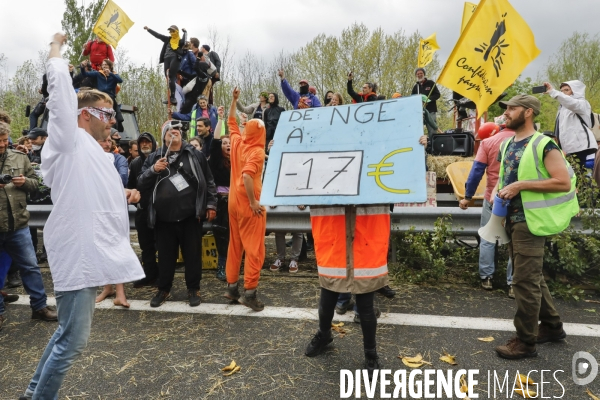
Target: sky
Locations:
point(267, 27)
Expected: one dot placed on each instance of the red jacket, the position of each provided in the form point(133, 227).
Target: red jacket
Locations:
point(98, 52)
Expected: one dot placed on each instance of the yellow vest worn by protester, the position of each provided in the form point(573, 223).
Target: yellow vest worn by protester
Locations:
point(193, 124)
point(545, 213)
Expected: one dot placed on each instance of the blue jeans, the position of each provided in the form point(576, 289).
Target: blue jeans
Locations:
point(487, 250)
point(19, 247)
point(343, 299)
point(75, 311)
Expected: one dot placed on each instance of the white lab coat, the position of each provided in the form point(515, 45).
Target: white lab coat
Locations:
point(87, 232)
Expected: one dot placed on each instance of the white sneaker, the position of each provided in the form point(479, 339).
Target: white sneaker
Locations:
point(276, 265)
point(293, 266)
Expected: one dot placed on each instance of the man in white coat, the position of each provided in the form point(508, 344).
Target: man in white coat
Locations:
point(87, 233)
point(573, 122)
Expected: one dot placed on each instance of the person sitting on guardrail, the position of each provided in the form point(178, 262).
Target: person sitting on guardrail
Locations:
point(486, 163)
point(248, 219)
point(220, 165)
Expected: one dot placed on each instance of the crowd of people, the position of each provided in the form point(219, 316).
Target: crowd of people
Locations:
point(213, 172)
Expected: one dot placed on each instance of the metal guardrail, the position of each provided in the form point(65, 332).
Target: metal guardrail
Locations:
point(290, 219)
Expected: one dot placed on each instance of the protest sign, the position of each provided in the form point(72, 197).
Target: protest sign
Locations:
point(367, 153)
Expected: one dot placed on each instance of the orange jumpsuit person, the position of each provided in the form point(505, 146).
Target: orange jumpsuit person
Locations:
point(247, 218)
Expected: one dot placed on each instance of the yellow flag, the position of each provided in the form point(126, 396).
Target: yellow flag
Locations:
point(492, 51)
point(467, 14)
point(426, 49)
point(112, 24)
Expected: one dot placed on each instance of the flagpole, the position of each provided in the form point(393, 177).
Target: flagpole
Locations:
point(92, 32)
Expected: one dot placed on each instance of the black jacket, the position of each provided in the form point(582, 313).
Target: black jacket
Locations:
point(206, 194)
point(271, 117)
point(135, 168)
point(166, 39)
point(360, 98)
point(215, 59)
point(426, 87)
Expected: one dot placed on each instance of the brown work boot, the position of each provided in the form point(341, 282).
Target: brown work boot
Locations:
point(232, 293)
point(515, 349)
point(250, 300)
point(47, 313)
point(548, 334)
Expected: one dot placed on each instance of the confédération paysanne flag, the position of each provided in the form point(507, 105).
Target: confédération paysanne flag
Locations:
point(112, 24)
point(492, 51)
point(467, 14)
point(426, 49)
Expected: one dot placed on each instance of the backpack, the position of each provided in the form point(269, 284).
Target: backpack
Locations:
point(596, 125)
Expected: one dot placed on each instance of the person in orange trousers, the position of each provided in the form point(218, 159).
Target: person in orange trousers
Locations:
point(247, 218)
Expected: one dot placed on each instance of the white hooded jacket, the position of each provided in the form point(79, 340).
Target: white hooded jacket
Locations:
point(87, 232)
point(569, 130)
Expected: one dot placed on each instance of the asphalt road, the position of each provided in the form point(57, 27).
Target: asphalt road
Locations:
point(178, 355)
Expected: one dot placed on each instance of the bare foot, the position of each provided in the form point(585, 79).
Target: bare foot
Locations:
point(121, 302)
point(105, 293)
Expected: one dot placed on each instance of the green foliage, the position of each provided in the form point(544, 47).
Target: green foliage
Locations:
point(78, 22)
point(144, 87)
point(431, 256)
point(571, 253)
point(578, 58)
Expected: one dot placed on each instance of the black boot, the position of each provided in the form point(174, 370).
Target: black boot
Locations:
point(371, 362)
point(318, 343)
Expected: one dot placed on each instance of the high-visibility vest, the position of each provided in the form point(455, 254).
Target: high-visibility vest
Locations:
point(193, 124)
point(367, 259)
point(545, 213)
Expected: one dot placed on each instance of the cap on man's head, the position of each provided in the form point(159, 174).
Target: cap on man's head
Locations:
point(303, 81)
point(420, 69)
point(312, 90)
point(523, 100)
point(37, 132)
point(206, 47)
point(173, 28)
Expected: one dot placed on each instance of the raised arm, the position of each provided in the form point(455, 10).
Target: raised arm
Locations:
point(290, 93)
point(234, 130)
point(248, 110)
point(62, 103)
point(352, 93)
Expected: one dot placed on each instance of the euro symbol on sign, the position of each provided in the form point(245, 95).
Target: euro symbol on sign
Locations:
point(382, 164)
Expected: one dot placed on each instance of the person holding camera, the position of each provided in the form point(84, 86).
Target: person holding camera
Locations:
point(17, 178)
point(182, 194)
point(573, 121)
point(170, 55)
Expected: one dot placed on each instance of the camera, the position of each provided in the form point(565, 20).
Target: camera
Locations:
point(5, 179)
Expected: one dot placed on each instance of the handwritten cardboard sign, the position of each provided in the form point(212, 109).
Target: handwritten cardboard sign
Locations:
point(367, 153)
